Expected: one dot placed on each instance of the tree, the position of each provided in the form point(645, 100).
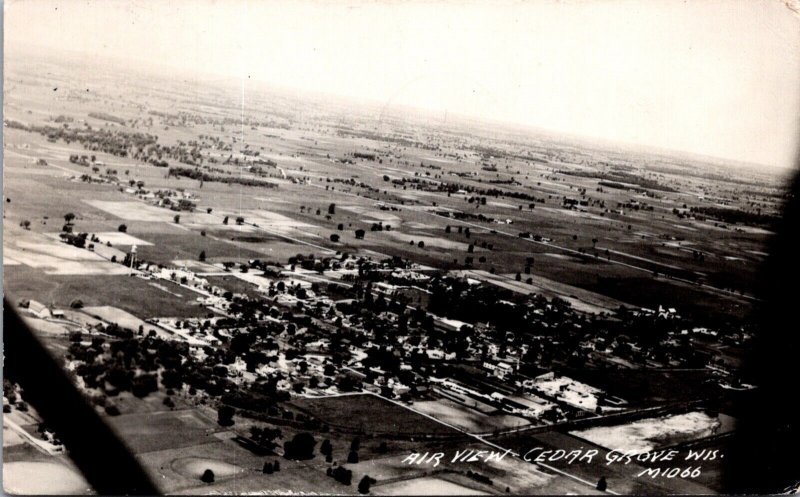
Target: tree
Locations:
point(267, 469)
point(25, 224)
point(326, 448)
point(602, 485)
point(276, 466)
point(421, 244)
point(225, 415)
point(360, 234)
point(209, 210)
point(202, 256)
point(240, 220)
point(225, 221)
point(342, 475)
point(334, 238)
point(68, 217)
point(300, 447)
point(447, 229)
point(122, 228)
point(208, 476)
point(332, 209)
point(177, 218)
point(352, 457)
point(143, 385)
point(363, 485)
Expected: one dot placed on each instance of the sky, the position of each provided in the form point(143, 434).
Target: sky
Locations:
point(712, 77)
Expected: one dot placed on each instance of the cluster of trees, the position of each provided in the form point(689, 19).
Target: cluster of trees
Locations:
point(487, 192)
point(265, 437)
point(197, 174)
point(737, 216)
point(103, 116)
point(341, 474)
point(77, 240)
point(81, 160)
point(115, 142)
point(479, 477)
point(615, 178)
point(270, 468)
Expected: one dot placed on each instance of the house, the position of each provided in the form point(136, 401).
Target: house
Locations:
point(503, 370)
point(435, 354)
point(450, 324)
point(39, 310)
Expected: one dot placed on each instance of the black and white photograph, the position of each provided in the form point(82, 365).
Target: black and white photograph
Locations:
point(390, 247)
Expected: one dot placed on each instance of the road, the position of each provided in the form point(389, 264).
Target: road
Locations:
point(45, 447)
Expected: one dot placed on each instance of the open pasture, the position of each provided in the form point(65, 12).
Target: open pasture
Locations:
point(54, 257)
point(648, 434)
point(467, 419)
point(370, 414)
point(131, 294)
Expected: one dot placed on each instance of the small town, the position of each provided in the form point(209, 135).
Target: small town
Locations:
point(393, 249)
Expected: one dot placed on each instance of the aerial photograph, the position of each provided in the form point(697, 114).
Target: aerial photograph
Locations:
point(397, 247)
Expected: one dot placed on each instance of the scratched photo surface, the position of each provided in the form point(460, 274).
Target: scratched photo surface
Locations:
point(397, 248)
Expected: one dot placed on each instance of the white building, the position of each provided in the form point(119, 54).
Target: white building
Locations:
point(39, 310)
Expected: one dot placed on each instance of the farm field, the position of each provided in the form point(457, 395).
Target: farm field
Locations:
point(148, 432)
point(62, 291)
point(429, 486)
point(42, 478)
point(372, 414)
point(648, 434)
point(337, 286)
point(465, 418)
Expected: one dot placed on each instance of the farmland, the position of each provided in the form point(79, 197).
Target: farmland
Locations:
point(334, 287)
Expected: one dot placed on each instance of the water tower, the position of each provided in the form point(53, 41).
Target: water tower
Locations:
point(132, 258)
